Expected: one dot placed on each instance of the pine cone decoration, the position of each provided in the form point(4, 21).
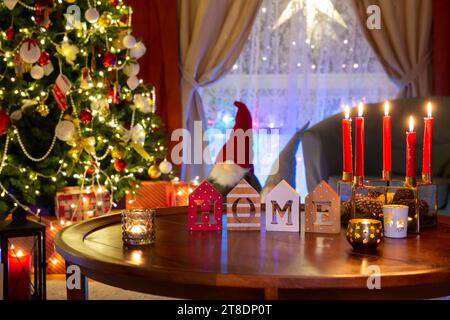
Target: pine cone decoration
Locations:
point(346, 210)
point(411, 203)
point(369, 207)
point(374, 194)
point(403, 194)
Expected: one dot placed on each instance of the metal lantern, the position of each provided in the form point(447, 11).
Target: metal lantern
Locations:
point(23, 260)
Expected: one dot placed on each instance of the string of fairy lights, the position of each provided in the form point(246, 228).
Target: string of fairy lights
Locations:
point(34, 95)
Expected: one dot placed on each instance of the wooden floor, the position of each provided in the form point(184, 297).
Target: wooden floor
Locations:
point(56, 290)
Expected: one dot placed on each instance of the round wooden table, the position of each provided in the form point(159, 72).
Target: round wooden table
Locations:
point(254, 265)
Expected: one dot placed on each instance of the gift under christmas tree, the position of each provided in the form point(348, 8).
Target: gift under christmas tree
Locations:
point(73, 110)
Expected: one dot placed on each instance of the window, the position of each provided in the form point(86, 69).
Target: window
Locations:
point(305, 59)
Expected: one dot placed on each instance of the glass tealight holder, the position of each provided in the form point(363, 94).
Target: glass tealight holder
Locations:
point(138, 227)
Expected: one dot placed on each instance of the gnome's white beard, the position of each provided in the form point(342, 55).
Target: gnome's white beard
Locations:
point(227, 174)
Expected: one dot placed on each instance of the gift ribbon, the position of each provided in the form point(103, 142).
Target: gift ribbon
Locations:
point(141, 151)
point(80, 145)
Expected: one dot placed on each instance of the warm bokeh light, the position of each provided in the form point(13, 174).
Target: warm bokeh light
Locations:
point(411, 124)
point(386, 108)
point(360, 109)
point(430, 110)
point(347, 112)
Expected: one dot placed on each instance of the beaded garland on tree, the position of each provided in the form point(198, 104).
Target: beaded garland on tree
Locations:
point(69, 97)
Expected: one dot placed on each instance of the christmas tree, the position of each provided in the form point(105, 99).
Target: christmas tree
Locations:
point(72, 108)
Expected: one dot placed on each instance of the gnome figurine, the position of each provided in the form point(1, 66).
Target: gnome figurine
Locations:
point(235, 160)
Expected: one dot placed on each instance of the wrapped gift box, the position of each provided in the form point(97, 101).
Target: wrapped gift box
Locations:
point(73, 204)
point(160, 194)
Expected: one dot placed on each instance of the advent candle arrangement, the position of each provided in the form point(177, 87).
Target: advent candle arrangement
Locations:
point(19, 275)
point(411, 140)
point(359, 146)
point(387, 144)
point(347, 174)
point(411, 143)
point(427, 146)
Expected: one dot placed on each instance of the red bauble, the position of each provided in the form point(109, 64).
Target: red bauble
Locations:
point(10, 33)
point(109, 60)
point(114, 3)
point(5, 121)
point(85, 116)
point(120, 165)
point(92, 168)
point(44, 59)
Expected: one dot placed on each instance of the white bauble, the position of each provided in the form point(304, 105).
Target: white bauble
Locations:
point(30, 52)
point(131, 69)
point(141, 103)
point(138, 50)
point(48, 69)
point(37, 72)
point(133, 82)
point(129, 41)
point(92, 15)
point(138, 135)
point(65, 130)
point(165, 167)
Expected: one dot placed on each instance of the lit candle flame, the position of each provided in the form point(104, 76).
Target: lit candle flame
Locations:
point(411, 124)
point(430, 110)
point(347, 112)
point(386, 108)
point(360, 109)
point(19, 254)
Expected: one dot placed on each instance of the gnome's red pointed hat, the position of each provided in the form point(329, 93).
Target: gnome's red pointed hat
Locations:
point(235, 159)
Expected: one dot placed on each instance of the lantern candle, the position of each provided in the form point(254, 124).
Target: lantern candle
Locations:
point(427, 146)
point(395, 220)
point(411, 139)
point(359, 146)
point(19, 275)
point(387, 143)
point(138, 227)
point(347, 173)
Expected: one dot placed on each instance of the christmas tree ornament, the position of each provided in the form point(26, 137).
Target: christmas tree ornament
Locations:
point(165, 167)
point(109, 60)
point(131, 69)
point(117, 153)
point(19, 66)
point(86, 80)
point(85, 117)
point(16, 115)
point(65, 130)
point(60, 90)
point(44, 58)
point(30, 51)
point(114, 3)
point(118, 41)
point(138, 135)
point(120, 165)
point(71, 1)
point(100, 107)
point(43, 17)
point(43, 110)
point(68, 51)
point(104, 20)
point(114, 93)
point(133, 82)
point(153, 172)
point(142, 103)
point(129, 41)
point(10, 33)
point(138, 51)
point(48, 69)
point(37, 72)
point(5, 121)
point(92, 15)
point(10, 4)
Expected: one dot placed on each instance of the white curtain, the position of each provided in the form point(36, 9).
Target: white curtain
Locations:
point(304, 60)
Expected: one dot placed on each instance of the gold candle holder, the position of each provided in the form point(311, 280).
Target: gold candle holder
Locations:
point(387, 175)
point(358, 181)
point(410, 182)
point(426, 178)
point(364, 234)
point(347, 176)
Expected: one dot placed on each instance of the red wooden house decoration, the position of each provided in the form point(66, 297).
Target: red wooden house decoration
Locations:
point(205, 209)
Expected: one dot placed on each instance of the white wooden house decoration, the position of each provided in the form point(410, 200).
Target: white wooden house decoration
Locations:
point(243, 208)
point(322, 210)
point(283, 209)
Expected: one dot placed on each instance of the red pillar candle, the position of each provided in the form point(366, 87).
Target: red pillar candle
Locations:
point(427, 146)
point(359, 145)
point(387, 143)
point(411, 139)
point(19, 273)
point(347, 174)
